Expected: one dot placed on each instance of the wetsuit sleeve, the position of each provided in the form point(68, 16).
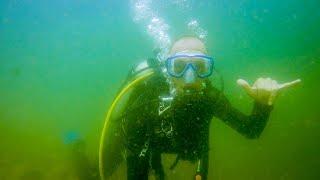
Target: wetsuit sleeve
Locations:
point(251, 126)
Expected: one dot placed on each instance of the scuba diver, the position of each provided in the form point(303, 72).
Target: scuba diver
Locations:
point(170, 112)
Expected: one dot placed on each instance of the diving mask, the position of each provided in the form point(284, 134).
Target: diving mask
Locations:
point(181, 63)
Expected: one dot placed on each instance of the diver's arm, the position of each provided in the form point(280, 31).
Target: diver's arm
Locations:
point(264, 92)
point(251, 126)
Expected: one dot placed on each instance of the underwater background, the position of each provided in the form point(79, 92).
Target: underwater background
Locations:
point(62, 63)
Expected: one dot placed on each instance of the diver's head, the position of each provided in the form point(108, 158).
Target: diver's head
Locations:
point(188, 64)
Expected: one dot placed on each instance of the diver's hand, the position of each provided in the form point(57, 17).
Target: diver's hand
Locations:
point(265, 90)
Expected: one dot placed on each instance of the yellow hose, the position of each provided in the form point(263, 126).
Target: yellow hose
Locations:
point(113, 105)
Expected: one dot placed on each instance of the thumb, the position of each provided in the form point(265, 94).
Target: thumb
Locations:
point(245, 85)
point(290, 84)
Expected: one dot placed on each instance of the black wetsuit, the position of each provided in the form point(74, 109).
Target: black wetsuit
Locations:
point(180, 126)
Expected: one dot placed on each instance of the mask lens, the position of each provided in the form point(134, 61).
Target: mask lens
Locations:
point(202, 66)
point(179, 65)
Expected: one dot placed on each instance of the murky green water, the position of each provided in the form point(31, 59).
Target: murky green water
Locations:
point(62, 62)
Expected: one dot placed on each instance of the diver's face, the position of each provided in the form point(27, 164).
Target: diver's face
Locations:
point(182, 84)
point(189, 80)
point(186, 76)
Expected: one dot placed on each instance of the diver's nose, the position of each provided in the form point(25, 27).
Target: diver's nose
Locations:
point(189, 76)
